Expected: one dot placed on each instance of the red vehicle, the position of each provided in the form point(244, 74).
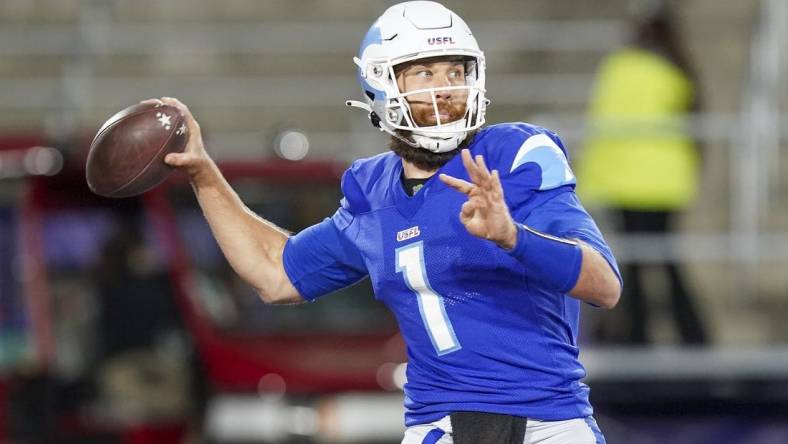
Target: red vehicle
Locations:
point(130, 317)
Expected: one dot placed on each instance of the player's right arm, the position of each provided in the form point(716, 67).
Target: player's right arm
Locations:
point(253, 246)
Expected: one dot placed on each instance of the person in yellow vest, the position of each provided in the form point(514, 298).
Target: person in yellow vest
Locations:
point(640, 160)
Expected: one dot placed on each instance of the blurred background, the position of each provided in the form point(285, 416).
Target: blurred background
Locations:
point(120, 321)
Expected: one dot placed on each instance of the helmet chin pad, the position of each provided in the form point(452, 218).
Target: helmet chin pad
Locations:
point(443, 142)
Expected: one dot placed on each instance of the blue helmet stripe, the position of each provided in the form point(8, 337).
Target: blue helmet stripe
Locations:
point(373, 37)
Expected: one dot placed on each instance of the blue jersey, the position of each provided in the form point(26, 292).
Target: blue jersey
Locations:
point(481, 333)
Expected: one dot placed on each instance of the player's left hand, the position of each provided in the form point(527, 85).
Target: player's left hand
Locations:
point(485, 214)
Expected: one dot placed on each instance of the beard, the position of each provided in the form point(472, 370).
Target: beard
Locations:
point(425, 160)
point(424, 115)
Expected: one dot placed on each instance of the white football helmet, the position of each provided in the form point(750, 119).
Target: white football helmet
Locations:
point(409, 31)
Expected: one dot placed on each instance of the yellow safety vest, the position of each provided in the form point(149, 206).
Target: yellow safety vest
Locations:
point(639, 154)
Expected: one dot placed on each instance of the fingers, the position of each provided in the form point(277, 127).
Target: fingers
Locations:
point(175, 159)
point(476, 168)
point(172, 101)
point(487, 184)
point(458, 184)
point(156, 102)
point(190, 120)
point(470, 166)
point(467, 209)
point(497, 188)
point(188, 162)
point(482, 168)
point(485, 192)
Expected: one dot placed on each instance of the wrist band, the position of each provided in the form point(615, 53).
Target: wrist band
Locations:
point(551, 261)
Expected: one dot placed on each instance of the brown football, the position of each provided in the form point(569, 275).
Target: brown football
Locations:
point(126, 157)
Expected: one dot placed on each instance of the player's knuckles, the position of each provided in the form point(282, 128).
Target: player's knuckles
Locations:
point(185, 159)
point(191, 122)
point(177, 104)
point(190, 158)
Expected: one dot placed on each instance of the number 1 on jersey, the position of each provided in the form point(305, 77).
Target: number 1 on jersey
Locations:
point(410, 262)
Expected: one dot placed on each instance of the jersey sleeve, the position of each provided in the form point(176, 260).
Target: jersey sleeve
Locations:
point(534, 166)
point(535, 160)
point(322, 259)
point(563, 216)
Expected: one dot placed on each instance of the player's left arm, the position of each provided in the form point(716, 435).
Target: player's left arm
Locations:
point(597, 283)
point(573, 263)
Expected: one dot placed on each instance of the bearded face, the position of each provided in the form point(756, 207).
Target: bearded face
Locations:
point(435, 72)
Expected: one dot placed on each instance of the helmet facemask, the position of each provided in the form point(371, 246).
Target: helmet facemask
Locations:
point(397, 114)
point(434, 122)
point(408, 33)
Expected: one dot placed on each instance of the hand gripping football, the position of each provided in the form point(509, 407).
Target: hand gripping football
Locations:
point(126, 157)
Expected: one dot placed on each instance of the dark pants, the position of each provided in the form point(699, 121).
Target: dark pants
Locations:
point(633, 298)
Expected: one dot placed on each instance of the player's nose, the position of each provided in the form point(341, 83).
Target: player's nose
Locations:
point(440, 81)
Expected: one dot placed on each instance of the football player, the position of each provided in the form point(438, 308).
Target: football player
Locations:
point(472, 235)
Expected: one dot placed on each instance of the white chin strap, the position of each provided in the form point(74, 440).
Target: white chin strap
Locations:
point(443, 141)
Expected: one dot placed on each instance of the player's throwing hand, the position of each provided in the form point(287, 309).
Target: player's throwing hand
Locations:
point(485, 214)
point(193, 160)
